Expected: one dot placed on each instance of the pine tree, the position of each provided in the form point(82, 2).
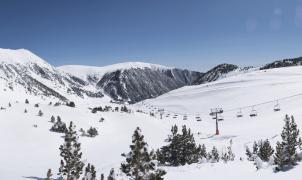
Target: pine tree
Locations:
point(265, 150)
point(138, 164)
point(231, 155)
point(215, 155)
point(71, 164)
point(280, 156)
point(111, 175)
point(40, 113)
point(92, 132)
point(59, 126)
point(255, 148)
point(286, 154)
point(26, 101)
point(203, 151)
point(249, 154)
point(87, 172)
point(181, 149)
point(52, 119)
point(49, 174)
point(25, 110)
point(93, 173)
point(90, 173)
point(102, 177)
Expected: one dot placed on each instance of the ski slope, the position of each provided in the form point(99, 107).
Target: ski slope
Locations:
point(28, 152)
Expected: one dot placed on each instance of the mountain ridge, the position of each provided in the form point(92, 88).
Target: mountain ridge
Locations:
point(126, 82)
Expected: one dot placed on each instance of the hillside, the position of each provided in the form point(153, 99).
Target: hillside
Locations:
point(133, 81)
point(126, 82)
point(104, 151)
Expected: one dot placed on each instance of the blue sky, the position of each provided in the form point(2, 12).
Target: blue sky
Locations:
point(194, 34)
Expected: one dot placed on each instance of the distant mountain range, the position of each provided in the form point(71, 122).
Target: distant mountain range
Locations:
point(127, 82)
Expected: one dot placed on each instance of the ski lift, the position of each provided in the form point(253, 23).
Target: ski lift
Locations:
point(239, 114)
point(253, 113)
point(217, 110)
point(277, 107)
point(198, 117)
point(185, 117)
point(220, 117)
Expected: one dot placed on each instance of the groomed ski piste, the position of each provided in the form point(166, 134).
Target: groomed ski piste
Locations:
point(27, 152)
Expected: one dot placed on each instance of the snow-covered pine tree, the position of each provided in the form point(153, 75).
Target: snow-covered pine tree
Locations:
point(169, 154)
point(48, 175)
point(90, 173)
point(188, 150)
point(138, 164)
point(40, 113)
point(71, 164)
point(93, 173)
point(102, 177)
point(92, 132)
point(52, 119)
point(280, 156)
point(111, 175)
point(286, 151)
point(202, 151)
point(228, 155)
point(181, 149)
point(265, 150)
point(87, 172)
point(59, 126)
point(255, 148)
point(249, 154)
point(215, 155)
point(25, 110)
point(26, 101)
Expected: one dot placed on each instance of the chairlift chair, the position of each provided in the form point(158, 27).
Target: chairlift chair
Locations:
point(185, 117)
point(220, 117)
point(253, 113)
point(217, 110)
point(198, 117)
point(277, 107)
point(239, 114)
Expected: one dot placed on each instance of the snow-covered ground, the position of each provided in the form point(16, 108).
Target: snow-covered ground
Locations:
point(28, 152)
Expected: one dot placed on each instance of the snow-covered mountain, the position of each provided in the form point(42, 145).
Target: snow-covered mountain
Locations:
point(28, 140)
point(37, 77)
point(283, 63)
point(244, 93)
point(130, 82)
point(133, 81)
point(215, 73)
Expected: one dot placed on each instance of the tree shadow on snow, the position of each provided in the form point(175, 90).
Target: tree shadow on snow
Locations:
point(33, 177)
point(38, 178)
